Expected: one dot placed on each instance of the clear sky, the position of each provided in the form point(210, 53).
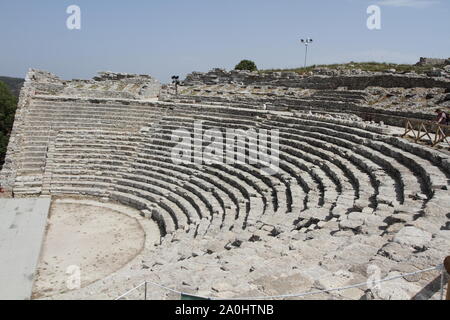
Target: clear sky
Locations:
point(167, 37)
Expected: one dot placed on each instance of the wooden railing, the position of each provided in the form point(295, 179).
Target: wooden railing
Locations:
point(422, 129)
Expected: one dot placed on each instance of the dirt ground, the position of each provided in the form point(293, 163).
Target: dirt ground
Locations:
point(86, 241)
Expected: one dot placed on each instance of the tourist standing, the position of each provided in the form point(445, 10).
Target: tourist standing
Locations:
point(442, 117)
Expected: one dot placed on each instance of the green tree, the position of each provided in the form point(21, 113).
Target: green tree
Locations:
point(246, 65)
point(8, 104)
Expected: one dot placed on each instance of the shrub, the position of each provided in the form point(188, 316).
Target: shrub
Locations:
point(246, 65)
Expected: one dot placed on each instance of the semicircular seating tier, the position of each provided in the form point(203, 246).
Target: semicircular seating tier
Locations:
point(330, 172)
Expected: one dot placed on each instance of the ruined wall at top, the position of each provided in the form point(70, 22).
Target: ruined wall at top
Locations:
point(433, 61)
point(105, 85)
point(358, 81)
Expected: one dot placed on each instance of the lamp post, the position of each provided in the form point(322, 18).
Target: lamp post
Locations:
point(306, 42)
point(176, 82)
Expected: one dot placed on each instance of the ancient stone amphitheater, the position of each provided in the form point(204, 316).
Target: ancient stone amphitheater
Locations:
point(351, 200)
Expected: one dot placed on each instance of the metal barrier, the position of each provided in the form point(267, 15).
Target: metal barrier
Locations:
point(445, 272)
point(126, 294)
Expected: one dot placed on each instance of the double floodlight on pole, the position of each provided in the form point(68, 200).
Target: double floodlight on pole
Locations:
point(176, 82)
point(306, 42)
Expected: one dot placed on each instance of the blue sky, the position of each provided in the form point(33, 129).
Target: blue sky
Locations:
point(163, 38)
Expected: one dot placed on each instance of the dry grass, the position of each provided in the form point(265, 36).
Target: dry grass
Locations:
point(365, 66)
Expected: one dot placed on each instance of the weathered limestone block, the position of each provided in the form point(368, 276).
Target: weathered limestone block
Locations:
point(375, 221)
point(338, 279)
point(292, 284)
point(412, 236)
point(398, 289)
point(396, 251)
point(353, 221)
point(356, 253)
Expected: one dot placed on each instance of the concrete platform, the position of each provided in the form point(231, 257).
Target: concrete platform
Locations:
point(22, 230)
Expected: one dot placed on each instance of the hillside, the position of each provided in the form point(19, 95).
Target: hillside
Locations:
point(8, 103)
point(14, 84)
point(365, 66)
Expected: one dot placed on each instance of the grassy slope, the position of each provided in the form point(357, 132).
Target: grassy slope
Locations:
point(365, 66)
point(14, 84)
